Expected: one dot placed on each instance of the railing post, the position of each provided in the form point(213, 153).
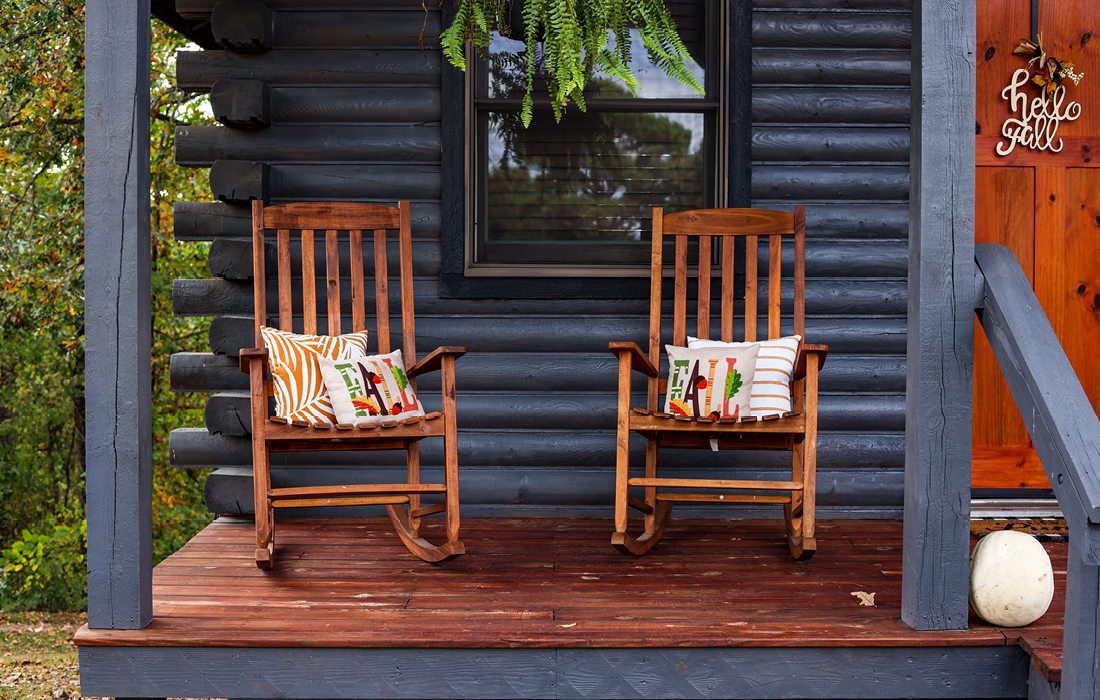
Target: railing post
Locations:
point(940, 351)
point(117, 314)
point(1081, 644)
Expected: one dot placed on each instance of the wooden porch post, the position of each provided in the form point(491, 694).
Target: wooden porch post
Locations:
point(940, 317)
point(117, 315)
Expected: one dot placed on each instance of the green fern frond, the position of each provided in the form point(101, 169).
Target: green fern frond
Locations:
point(578, 38)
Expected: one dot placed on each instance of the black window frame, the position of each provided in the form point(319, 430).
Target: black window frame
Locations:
point(729, 174)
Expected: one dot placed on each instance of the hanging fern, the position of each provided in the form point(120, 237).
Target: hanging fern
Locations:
point(578, 38)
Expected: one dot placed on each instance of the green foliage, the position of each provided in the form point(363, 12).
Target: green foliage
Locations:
point(41, 278)
point(45, 570)
point(571, 40)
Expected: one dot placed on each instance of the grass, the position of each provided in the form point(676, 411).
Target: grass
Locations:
point(37, 656)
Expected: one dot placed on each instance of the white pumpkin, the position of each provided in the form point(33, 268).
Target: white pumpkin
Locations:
point(1011, 579)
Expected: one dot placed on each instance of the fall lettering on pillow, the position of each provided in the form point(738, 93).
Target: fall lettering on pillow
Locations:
point(710, 383)
point(370, 390)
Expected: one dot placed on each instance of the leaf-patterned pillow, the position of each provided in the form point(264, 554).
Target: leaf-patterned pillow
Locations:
point(369, 390)
point(710, 383)
point(300, 392)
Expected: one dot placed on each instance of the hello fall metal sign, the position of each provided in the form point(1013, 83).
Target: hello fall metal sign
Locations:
point(1035, 119)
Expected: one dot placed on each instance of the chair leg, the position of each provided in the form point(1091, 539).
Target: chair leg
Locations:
point(412, 454)
point(793, 512)
point(265, 514)
point(450, 451)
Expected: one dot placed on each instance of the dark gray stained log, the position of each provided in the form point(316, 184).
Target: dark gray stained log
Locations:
point(239, 180)
point(354, 104)
point(829, 182)
point(975, 672)
point(117, 317)
point(200, 9)
point(874, 453)
point(207, 221)
point(356, 29)
point(838, 105)
point(197, 70)
point(595, 371)
point(203, 371)
point(227, 413)
point(830, 144)
point(865, 336)
point(814, 66)
point(202, 145)
point(830, 30)
point(834, 296)
point(242, 25)
point(895, 6)
point(244, 104)
point(935, 566)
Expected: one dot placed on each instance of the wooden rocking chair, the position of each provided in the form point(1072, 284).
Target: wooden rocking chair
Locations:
point(342, 225)
point(795, 431)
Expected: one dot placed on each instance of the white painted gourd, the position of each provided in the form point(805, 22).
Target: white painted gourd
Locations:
point(1011, 579)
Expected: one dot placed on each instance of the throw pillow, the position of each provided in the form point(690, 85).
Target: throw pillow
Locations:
point(771, 385)
point(709, 383)
point(370, 390)
point(296, 373)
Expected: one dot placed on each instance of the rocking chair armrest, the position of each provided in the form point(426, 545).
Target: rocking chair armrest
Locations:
point(433, 361)
point(807, 349)
point(638, 361)
point(251, 355)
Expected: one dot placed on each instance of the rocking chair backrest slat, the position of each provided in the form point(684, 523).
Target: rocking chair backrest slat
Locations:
point(332, 279)
point(382, 291)
point(259, 301)
point(358, 300)
point(702, 320)
point(679, 317)
point(286, 308)
point(656, 276)
point(728, 261)
point(800, 272)
point(751, 252)
point(408, 318)
point(336, 220)
point(775, 280)
point(309, 285)
point(728, 225)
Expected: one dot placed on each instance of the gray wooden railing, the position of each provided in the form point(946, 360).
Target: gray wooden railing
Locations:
point(1066, 434)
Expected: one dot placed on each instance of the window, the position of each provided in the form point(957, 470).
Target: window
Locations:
point(573, 198)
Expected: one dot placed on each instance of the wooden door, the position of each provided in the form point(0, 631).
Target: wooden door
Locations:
point(1045, 207)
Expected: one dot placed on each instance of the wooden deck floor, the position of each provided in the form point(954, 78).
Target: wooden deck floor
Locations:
point(546, 583)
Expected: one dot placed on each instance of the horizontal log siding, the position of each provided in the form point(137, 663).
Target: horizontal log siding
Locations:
point(354, 108)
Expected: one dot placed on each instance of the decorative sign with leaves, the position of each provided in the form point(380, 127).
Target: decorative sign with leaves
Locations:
point(1035, 121)
point(568, 40)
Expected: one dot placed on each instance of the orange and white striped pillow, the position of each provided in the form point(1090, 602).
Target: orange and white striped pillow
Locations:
point(771, 384)
point(300, 392)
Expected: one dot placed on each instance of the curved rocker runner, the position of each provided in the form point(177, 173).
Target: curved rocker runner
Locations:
point(342, 225)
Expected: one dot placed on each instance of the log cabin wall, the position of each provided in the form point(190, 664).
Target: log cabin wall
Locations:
point(345, 104)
